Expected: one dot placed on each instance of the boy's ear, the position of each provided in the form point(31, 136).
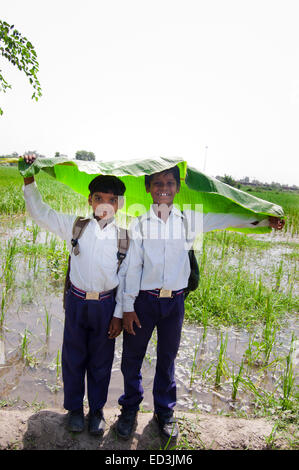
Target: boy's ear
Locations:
point(147, 188)
point(89, 200)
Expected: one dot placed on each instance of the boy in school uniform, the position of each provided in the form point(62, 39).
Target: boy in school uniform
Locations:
point(93, 310)
point(155, 281)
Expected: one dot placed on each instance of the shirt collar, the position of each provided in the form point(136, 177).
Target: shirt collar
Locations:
point(174, 212)
point(110, 223)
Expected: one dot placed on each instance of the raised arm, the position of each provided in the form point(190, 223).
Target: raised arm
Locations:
point(199, 222)
point(212, 221)
point(44, 215)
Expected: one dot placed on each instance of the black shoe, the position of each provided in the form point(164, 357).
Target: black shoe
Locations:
point(125, 423)
point(167, 424)
point(75, 420)
point(96, 423)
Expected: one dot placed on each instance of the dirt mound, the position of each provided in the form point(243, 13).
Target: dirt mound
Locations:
point(45, 430)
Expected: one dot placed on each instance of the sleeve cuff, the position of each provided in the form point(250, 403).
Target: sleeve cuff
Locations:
point(118, 311)
point(128, 305)
point(28, 188)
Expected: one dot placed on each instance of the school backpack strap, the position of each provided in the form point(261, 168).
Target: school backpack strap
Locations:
point(79, 226)
point(123, 242)
point(193, 280)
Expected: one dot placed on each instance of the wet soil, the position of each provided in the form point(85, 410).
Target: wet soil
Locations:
point(45, 430)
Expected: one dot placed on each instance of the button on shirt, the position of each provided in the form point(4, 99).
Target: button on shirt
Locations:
point(95, 267)
point(158, 255)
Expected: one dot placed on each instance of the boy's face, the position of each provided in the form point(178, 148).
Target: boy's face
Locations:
point(163, 187)
point(104, 205)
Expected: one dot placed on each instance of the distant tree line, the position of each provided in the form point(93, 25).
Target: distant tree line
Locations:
point(246, 184)
point(80, 155)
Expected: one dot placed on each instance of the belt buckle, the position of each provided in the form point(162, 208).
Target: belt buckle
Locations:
point(165, 293)
point(92, 296)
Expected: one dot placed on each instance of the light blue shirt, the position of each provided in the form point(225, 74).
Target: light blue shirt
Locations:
point(158, 254)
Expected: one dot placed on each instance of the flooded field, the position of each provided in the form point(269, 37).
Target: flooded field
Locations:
point(220, 367)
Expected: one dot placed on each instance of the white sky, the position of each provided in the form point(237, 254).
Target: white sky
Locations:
point(141, 78)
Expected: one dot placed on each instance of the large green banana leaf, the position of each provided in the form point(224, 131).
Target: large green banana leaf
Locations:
point(198, 190)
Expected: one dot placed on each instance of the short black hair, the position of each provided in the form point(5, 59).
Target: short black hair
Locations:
point(107, 184)
point(174, 170)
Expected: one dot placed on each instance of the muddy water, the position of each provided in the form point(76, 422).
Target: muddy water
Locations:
point(36, 377)
point(40, 381)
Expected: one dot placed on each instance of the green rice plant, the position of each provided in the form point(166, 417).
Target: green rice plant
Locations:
point(29, 359)
point(28, 293)
point(57, 260)
point(205, 321)
point(11, 197)
point(47, 323)
point(270, 330)
point(203, 256)
point(206, 373)
point(58, 364)
point(34, 252)
point(224, 247)
point(259, 291)
point(288, 379)
point(270, 440)
point(8, 275)
point(236, 380)
point(239, 272)
point(25, 343)
point(292, 277)
point(2, 308)
point(221, 368)
point(261, 395)
point(35, 265)
point(194, 366)
point(34, 229)
point(253, 353)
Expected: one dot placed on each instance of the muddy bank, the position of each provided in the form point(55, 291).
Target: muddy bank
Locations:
point(45, 430)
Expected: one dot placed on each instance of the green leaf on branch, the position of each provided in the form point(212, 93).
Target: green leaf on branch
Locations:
point(20, 52)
